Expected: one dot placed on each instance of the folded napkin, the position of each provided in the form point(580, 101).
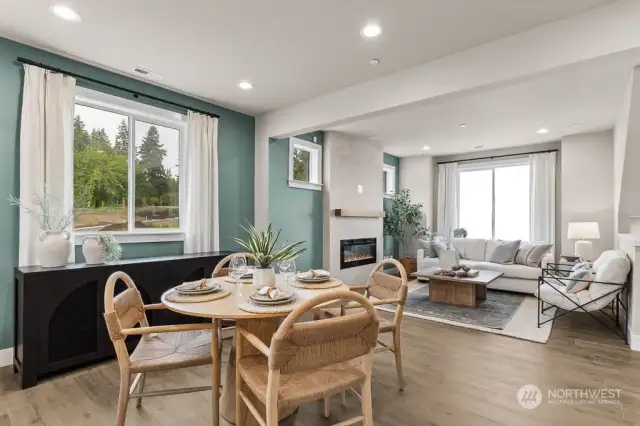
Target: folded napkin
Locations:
point(193, 285)
point(314, 273)
point(272, 292)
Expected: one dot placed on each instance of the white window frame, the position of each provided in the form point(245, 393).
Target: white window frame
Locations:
point(136, 111)
point(390, 189)
point(489, 165)
point(315, 164)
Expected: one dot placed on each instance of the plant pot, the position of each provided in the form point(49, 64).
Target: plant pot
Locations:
point(264, 277)
point(409, 264)
point(53, 248)
point(94, 250)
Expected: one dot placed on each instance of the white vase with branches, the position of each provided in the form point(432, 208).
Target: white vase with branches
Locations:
point(53, 246)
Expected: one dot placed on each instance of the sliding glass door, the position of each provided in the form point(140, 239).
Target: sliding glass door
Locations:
point(494, 200)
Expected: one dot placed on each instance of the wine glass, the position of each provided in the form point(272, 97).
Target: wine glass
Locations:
point(287, 268)
point(237, 268)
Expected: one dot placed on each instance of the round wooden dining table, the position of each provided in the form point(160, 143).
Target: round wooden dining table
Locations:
point(263, 325)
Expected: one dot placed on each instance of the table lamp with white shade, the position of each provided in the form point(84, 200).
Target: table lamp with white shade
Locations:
point(582, 231)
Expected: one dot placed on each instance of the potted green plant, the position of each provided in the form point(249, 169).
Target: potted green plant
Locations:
point(262, 244)
point(403, 222)
point(460, 233)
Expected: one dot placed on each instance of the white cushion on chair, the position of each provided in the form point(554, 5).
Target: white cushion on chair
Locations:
point(554, 294)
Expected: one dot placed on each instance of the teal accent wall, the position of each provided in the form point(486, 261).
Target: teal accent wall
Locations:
point(236, 135)
point(298, 212)
point(391, 247)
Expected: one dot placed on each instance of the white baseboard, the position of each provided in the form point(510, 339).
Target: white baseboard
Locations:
point(634, 340)
point(6, 357)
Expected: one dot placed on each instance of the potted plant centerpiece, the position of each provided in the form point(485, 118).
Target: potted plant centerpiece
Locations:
point(403, 221)
point(262, 244)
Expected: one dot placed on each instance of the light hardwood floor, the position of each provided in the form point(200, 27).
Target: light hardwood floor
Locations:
point(454, 376)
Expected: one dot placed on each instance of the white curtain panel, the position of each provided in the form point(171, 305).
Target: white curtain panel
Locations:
point(542, 220)
point(447, 198)
point(46, 149)
point(201, 184)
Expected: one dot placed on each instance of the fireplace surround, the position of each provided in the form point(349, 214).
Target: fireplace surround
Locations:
point(358, 252)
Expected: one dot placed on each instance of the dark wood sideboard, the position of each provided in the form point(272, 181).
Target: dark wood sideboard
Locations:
point(58, 311)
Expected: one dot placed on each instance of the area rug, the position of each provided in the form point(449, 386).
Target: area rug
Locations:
point(509, 314)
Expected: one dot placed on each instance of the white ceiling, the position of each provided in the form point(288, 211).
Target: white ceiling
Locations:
point(292, 50)
point(575, 99)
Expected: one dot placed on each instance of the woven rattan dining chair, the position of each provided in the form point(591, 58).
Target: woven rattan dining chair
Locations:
point(309, 361)
point(386, 289)
point(160, 348)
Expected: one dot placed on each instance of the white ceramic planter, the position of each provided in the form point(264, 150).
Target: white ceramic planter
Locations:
point(264, 276)
point(94, 251)
point(53, 248)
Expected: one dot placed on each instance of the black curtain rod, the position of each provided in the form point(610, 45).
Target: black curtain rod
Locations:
point(113, 86)
point(497, 156)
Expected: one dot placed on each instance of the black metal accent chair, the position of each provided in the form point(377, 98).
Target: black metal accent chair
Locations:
point(604, 297)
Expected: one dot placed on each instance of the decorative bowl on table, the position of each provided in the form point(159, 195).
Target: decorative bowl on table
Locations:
point(458, 271)
point(314, 276)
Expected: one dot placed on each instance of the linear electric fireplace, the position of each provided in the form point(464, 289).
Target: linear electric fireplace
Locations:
point(362, 251)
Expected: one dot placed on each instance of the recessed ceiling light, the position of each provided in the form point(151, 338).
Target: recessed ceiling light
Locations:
point(374, 61)
point(426, 147)
point(65, 12)
point(463, 125)
point(543, 131)
point(478, 146)
point(245, 85)
point(371, 30)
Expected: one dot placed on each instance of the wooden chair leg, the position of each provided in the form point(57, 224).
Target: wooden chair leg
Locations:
point(327, 408)
point(123, 397)
point(143, 379)
point(215, 376)
point(367, 404)
point(241, 408)
point(272, 398)
point(398, 354)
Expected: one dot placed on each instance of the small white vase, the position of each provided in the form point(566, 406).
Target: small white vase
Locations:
point(53, 248)
point(94, 251)
point(264, 277)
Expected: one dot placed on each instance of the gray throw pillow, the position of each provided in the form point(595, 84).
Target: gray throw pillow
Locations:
point(504, 252)
point(571, 282)
point(531, 254)
point(426, 246)
point(437, 246)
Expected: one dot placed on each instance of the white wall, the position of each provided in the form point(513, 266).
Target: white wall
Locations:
point(619, 145)
point(349, 162)
point(416, 175)
point(587, 182)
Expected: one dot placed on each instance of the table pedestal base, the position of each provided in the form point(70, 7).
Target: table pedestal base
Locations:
point(264, 329)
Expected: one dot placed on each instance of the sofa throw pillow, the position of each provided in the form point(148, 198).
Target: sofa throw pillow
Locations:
point(438, 246)
point(426, 246)
point(572, 283)
point(504, 252)
point(531, 254)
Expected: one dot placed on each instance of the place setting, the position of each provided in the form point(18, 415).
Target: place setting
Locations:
point(315, 279)
point(204, 290)
point(269, 299)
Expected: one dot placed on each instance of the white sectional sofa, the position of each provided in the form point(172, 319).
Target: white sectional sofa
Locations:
point(474, 251)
